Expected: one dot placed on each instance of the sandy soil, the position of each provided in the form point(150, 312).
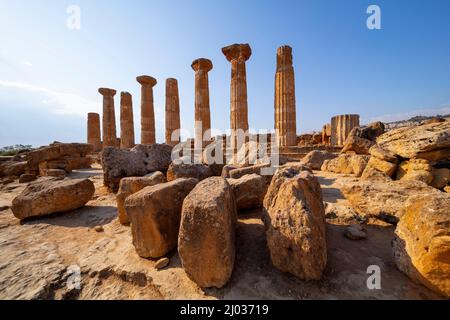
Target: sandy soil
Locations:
point(37, 256)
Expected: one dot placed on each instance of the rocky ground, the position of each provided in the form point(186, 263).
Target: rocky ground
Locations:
point(37, 256)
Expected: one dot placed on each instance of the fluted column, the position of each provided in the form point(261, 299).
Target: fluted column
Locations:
point(202, 109)
point(172, 111)
point(238, 54)
point(109, 117)
point(285, 118)
point(341, 126)
point(93, 131)
point(147, 109)
point(126, 121)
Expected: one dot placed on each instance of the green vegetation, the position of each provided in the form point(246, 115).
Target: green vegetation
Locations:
point(13, 150)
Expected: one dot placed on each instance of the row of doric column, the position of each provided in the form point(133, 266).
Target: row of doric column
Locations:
point(237, 55)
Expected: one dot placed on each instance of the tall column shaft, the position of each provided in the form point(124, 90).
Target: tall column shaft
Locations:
point(285, 113)
point(109, 117)
point(202, 108)
point(172, 112)
point(93, 131)
point(126, 121)
point(147, 109)
point(237, 55)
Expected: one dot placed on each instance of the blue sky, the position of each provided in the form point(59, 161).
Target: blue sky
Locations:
point(49, 74)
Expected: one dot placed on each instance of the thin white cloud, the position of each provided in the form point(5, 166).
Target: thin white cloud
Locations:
point(442, 110)
point(27, 63)
point(62, 103)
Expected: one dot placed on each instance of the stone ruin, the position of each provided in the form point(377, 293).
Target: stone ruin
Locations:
point(194, 208)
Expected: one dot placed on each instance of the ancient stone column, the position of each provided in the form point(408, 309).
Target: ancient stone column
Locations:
point(341, 126)
point(202, 114)
point(126, 121)
point(172, 111)
point(109, 117)
point(147, 110)
point(238, 54)
point(93, 131)
point(326, 134)
point(285, 120)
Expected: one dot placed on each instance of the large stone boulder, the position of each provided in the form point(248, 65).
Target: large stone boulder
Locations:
point(383, 166)
point(346, 164)
point(154, 213)
point(206, 243)
point(294, 217)
point(361, 139)
point(430, 142)
point(415, 169)
point(140, 160)
point(383, 199)
point(422, 241)
point(441, 178)
point(263, 170)
point(13, 168)
point(249, 191)
point(41, 198)
point(131, 185)
point(197, 171)
point(315, 159)
point(57, 151)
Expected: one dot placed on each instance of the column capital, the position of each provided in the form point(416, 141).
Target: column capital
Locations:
point(202, 64)
point(171, 81)
point(125, 96)
point(146, 80)
point(107, 92)
point(237, 51)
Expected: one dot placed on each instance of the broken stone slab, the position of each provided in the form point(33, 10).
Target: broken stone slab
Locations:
point(138, 161)
point(197, 171)
point(430, 141)
point(383, 199)
point(206, 242)
point(249, 191)
point(49, 196)
point(346, 164)
point(422, 241)
point(315, 158)
point(131, 185)
point(294, 217)
point(154, 213)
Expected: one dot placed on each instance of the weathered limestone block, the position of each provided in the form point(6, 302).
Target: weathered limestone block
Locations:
point(27, 177)
point(347, 164)
point(295, 225)
point(415, 169)
point(57, 151)
point(383, 166)
point(260, 169)
point(285, 118)
point(341, 127)
point(75, 163)
point(382, 199)
point(147, 109)
point(138, 161)
point(441, 178)
point(59, 173)
point(430, 142)
point(131, 185)
point(51, 196)
point(370, 173)
point(249, 191)
point(60, 164)
point(172, 112)
point(326, 134)
point(155, 213)
point(197, 171)
point(315, 159)
point(109, 118)
point(13, 168)
point(422, 241)
point(206, 242)
point(237, 55)
point(93, 131)
point(383, 154)
point(126, 121)
point(202, 109)
point(355, 142)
